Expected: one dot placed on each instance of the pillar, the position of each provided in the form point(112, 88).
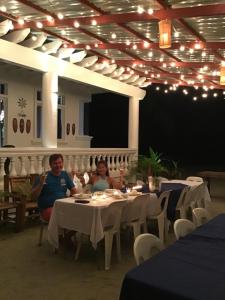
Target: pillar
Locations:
point(49, 109)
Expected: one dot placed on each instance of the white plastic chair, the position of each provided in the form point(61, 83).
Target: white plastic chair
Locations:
point(181, 202)
point(194, 178)
point(200, 216)
point(143, 246)
point(183, 227)
point(162, 216)
point(113, 216)
point(135, 214)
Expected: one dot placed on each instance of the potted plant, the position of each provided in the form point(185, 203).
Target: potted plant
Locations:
point(148, 167)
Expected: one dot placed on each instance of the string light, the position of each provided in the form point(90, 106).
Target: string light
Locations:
point(94, 22)
point(182, 48)
point(76, 24)
point(150, 11)
point(39, 25)
point(113, 35)
point(60, 16)
point(140, 10)
point(3, 8)
point(20, 21)
point(50, 19)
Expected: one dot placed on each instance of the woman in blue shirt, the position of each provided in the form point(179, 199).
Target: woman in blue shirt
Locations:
point(101, 180)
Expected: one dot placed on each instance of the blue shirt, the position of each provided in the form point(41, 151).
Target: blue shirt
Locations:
point(100, 185)
point(55, 187)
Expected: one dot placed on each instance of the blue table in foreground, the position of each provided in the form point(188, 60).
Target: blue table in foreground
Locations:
point(193, 268)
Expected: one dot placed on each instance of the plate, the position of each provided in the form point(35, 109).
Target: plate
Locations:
point(82, 196)
point(82, 201)
point(134, 193)
point(110, 191)
point(98, 193)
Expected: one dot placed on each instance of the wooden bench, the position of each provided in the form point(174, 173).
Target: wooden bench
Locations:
point(208, 175)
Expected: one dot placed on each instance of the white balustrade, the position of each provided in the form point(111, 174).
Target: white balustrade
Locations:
point(25, 161)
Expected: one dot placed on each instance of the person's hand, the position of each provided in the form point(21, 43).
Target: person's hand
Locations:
point(82, 181)
point(43, 178)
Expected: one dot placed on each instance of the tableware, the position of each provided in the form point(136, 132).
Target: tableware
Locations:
point(110, 191)
point(117, 196)
point(82, 196)
point(99, 193)
point(82, 201)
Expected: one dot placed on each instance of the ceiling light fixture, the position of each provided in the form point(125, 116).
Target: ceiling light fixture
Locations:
point(165, 29)
point(222, 73)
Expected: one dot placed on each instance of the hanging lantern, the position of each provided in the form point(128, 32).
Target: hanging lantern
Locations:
point(222, 74)
point(165, 27)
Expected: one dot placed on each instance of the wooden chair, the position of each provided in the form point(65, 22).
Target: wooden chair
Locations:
point(20, 187)
point(8, 207)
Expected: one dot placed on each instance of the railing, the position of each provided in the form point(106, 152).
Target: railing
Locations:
point(25, 161)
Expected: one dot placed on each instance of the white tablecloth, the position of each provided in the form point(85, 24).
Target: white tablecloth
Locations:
point(85, 218)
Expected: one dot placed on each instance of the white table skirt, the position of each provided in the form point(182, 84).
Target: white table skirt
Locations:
point(85, 218)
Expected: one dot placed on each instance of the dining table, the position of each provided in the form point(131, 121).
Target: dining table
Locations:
point(193, 268)
point(88, 217)
point(198, 191)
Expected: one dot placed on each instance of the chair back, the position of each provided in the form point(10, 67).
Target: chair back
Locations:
point(143, 246)
point(136, 209)
point(194, 178)
point(112, 217)
point(181, 199)
point(163, 200)
point(183, 227)
point(200, 216)
point(21, 185)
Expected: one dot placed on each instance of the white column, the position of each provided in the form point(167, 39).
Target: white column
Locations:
point(133, 126)
point(49, 109)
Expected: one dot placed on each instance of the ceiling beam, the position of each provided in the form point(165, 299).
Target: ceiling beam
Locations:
point(180, 64)
point(169, 13)
point(155, 46)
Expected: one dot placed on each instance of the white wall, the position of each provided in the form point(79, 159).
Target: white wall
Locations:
point(23, 84)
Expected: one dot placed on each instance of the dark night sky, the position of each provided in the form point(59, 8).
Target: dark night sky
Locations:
point(190, 132)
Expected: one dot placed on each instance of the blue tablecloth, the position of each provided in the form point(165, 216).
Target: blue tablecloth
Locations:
point(176, 189)
point(193, 268)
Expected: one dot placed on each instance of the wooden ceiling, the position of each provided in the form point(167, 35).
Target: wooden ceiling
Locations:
point(124, 33)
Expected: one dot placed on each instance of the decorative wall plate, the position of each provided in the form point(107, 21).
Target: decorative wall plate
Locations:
point(68, 128)
point(73, 129)
point(15, 124)
point(22, 123)
point(28, 126)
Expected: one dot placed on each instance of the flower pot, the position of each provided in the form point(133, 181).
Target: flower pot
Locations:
point(153, 182)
